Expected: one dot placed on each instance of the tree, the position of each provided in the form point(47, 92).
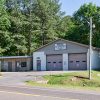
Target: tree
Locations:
point(4, 25)
point(30, 25)
point(48, 12)
point(65, 26)
point(18, 39)
point(96, 35)
point(27, 24)
point(81, 17)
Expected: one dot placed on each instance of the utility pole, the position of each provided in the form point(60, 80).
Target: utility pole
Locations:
point(90, 48)
point(0, 65)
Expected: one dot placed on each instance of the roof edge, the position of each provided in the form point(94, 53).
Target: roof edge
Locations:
point(7, 57)
point(84, 45)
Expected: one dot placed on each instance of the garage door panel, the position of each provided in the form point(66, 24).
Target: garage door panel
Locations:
point(78, 61)
point(54, 62)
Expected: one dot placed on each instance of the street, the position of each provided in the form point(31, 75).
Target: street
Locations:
point(12, 86)
point(38, 93)
point(20, 96)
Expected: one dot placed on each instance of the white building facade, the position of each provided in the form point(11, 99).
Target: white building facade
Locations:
point(64, 55)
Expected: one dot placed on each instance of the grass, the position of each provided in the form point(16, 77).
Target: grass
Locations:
point(72, 80)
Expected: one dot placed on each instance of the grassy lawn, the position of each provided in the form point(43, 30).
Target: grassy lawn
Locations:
point(72, 80)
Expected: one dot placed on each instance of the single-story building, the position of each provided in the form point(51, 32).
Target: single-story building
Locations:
point(57, 55)
point(16, 63)
point(65, 55)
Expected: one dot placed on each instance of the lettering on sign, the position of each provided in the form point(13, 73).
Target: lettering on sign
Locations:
point(60, 46)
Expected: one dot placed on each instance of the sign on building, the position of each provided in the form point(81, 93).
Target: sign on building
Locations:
point(60, 46)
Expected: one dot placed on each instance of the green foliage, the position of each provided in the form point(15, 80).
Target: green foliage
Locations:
point(49, 15)
point(81, 20)
point(4, 18)
point(71, 79)
point(85, 12)
point(27, 24)
point(4, 25)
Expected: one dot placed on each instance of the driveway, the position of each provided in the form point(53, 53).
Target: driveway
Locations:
point(19, 78)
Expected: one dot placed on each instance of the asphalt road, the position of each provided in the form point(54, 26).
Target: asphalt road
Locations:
point(38, 93)
point(20, 96)
point(12, 86)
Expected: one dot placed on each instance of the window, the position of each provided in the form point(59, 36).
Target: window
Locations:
point(38, 58)
point(71, 61)
point(77, 61)
point(23, 64)
point(60, 62)
point(83, 61)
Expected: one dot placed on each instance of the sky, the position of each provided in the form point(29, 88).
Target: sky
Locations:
point(70, 6)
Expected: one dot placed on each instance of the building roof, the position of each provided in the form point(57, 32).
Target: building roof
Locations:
point(80, 44)
point(14, 57)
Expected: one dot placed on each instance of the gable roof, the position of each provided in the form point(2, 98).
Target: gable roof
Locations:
point(80, 44)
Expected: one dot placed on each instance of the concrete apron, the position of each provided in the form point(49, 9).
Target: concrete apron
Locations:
point(19, 78)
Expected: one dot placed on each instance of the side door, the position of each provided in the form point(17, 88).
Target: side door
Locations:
point(38, 65)
point(9, 66)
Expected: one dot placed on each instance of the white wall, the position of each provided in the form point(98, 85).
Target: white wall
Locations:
point(88, 60)
point(42, 57)
point(95, 60)
point(65, 61)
